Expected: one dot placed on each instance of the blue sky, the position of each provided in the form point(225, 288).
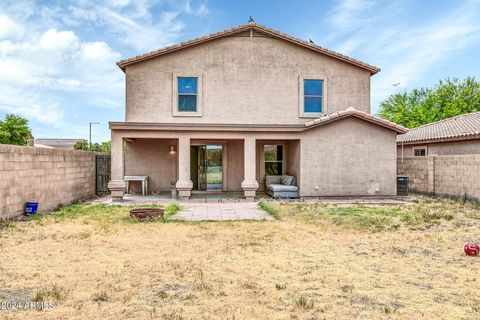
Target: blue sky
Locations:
point(57, 58)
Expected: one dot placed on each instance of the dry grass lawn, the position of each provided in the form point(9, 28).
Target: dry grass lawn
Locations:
point(314, 262)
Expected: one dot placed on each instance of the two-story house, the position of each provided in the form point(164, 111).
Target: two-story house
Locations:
point(220, 112)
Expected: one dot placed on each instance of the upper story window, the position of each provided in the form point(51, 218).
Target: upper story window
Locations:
point(419, 152)
point(312, 96)
point(187, 94)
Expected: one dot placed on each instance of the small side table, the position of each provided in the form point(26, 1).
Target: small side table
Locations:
point(142, 179)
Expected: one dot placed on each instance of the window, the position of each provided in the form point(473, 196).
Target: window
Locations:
point(187, 94)
point(312, 96)
point(421, 152)
point(273, 159)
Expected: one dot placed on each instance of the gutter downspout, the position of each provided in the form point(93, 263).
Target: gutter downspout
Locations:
point(402, 152)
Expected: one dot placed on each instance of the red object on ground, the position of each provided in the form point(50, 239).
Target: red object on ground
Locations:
point(471, 249)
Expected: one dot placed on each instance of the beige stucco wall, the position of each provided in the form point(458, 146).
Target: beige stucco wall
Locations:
point(348, 157)
point(444, 148)
point(293, 159)
point(447, 175)
point(245, 80)
point(151, 157)
point(44, 175)
point(234, 165)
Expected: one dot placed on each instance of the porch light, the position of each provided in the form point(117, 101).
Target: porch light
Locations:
point(172, 149)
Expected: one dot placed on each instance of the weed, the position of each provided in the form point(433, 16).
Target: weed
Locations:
point(303, 302)
point(171, 209)
point(280, 286)
point(162, 294)
point(54, 293)
point(265, 206)
point(100, 296)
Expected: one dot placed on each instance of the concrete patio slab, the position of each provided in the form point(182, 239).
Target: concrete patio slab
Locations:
point(220, 212)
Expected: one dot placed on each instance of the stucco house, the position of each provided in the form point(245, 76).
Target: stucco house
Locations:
point(221, 112)
point(453, 136)
point(65, 144)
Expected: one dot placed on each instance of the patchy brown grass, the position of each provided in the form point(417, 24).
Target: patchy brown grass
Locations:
point(314, 262)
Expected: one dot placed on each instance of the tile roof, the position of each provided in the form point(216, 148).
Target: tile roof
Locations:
point(352, 112)
point(228, 32)
point(463, 126)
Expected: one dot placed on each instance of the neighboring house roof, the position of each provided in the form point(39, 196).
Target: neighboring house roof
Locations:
point(465, 126)
point(56, 143)
point(246, 27)
point(349, 112)
point(352, 112)
point(39, 145)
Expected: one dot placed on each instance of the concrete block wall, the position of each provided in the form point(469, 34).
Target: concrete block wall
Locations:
point(48, 176)
point(447, 175)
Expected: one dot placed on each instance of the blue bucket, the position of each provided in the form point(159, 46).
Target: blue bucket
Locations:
point(31, 208)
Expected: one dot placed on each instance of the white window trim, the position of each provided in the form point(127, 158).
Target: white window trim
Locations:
point(420, 148)
point(301, 96)
point(199, 111)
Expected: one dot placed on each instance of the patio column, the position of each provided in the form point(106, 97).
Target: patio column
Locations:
point(184, 184)
point(249, 183)
point(117, 185)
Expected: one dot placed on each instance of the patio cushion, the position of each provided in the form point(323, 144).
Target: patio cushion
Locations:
point(287, 180)
point(273, 180)
point(282, 188)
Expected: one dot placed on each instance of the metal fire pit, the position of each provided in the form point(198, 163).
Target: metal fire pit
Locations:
point(146, 213)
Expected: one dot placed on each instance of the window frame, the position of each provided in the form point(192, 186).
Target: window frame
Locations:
point(301, 96)
point(420, 149)
point(265, 161)
point(175, 95)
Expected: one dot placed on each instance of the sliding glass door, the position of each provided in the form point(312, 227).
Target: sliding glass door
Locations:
point(210, 170)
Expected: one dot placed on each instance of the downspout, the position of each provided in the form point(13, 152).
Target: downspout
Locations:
point(402, 152)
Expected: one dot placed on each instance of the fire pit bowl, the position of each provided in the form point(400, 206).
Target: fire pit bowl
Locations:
point(146, 213)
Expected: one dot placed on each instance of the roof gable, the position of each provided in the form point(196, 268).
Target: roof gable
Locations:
point(464, 126)
point(248, 30)
point(352, 112)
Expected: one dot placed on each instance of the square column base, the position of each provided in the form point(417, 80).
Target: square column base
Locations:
point(249, 189)
point(117, 189)
point(184, 189)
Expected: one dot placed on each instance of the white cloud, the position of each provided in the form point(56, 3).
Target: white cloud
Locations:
point(9, 29)
point(415, 51)
point(202, 10)
point(135, 23)
point(98, 51)
point(53, 40)
point(349, 14)
point(40, 68)
point(57, 60)
point(385, 36)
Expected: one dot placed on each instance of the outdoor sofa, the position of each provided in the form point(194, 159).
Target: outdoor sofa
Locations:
point(281, 186)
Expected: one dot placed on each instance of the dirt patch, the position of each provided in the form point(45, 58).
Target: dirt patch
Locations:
point(296, 267)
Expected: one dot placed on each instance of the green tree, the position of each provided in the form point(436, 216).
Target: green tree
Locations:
point(449, 98)
point(14, 130)
point(97, 147)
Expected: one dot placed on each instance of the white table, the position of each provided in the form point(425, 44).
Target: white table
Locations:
point(142, 179)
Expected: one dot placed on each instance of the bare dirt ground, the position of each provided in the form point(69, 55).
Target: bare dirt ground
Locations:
point(313, 262)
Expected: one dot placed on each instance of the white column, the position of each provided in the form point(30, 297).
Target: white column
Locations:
point(249, 183)
point(184, 184)
point(116, 185)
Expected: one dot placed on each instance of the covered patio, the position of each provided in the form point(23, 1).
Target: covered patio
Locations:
point(200, 165)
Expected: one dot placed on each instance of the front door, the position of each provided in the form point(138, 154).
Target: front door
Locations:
point(210, 170)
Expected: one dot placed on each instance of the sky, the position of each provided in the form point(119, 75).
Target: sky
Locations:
point(57, 58)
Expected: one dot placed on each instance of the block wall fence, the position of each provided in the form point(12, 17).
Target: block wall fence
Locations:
point(456, 176)
point(48, 176)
